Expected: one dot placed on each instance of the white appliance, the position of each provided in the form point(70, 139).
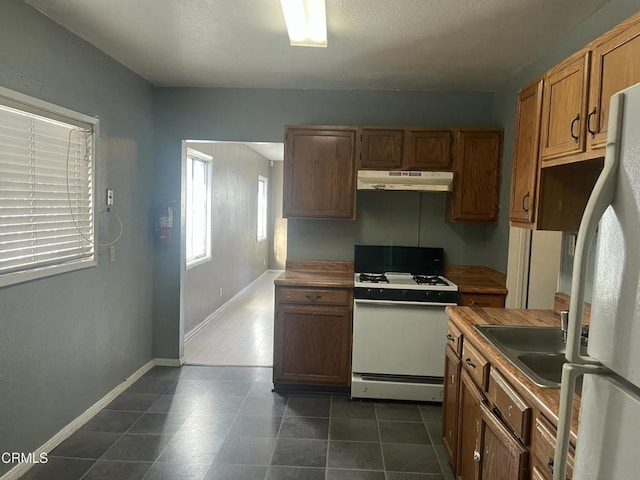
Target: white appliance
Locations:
point(399, 323)
point(405, 180)
point(609, 421)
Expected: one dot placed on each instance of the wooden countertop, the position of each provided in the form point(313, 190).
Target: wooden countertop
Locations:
point(317, 274)
point(336, 274)
point(477, 279)
point(546, 400)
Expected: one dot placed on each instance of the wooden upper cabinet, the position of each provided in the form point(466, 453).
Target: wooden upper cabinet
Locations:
point(476, 183)
point(615, 66)
point(405, 148)
point(564, 107)
point(522, 212)
point(320, 172)
point(381, 149)
point(429, 150)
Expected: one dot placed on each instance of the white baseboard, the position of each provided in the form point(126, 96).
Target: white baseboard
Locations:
point(20, 469)
point(168, 362)
point(191, 333)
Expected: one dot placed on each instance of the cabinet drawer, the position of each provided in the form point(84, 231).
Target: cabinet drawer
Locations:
point(476, 365)
point(314, 296)
point(513, 410)
point(454, 338)
point(481, 300)
point(544, 444)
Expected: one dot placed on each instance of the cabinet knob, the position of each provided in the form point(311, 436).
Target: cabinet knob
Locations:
point(476, 456)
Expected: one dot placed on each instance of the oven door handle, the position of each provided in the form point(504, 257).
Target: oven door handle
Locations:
point(393, 302)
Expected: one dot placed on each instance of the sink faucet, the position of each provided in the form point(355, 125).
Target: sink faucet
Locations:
point(564, 320)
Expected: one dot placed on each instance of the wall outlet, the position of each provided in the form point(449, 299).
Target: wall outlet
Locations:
point(109, 197)
point(264, 261)
point(220, 291)
point(112, 253)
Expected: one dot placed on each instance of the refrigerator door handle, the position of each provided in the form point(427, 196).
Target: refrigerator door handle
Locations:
point(601, 197)
point(570, 373)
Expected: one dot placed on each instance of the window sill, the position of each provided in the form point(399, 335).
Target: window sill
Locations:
point(198, 261)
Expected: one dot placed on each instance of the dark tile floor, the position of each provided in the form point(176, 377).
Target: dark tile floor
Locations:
point(224, 423)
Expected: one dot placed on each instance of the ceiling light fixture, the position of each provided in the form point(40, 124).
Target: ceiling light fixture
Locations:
point(306, 22)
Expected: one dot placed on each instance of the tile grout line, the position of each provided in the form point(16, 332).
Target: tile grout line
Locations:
point(384, 465)
point(326, 462)
point(277, 437)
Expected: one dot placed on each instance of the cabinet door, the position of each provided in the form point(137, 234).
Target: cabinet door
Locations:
point(450, 417)
point(312, 345)
point(381, 149)
point(476, 183)
point(525, 157)
point(564, 107)
point(615, 66)
point(429, 150)
point(470, 430)
point(320, 173)
point(503, 457)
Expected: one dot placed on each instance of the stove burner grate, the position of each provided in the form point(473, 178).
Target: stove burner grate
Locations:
point(429, 280)
point(373, 278)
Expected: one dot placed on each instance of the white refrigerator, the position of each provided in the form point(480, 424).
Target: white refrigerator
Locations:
point(608, 446)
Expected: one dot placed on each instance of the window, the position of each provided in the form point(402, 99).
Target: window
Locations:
point(262, 207)
point(198, 207)
point(47, 216)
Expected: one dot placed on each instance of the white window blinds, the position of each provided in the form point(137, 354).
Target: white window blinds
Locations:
point(46, 194)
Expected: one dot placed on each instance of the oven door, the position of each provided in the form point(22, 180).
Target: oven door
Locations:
point(398, 338)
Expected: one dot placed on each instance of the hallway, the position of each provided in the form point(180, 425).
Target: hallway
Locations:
point(242, 333)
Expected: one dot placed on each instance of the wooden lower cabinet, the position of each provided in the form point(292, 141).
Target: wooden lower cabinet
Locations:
point(481, 300)
point(451, 390)
point(503, 456)
point(485, 430)
point(312, 339)
point(469, 429)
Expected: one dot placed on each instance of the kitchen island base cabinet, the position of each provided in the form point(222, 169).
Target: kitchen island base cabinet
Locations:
point(312, 338)
point(451, 392)
point(469, 429)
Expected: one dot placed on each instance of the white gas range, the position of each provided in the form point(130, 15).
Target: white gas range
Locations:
point(399, 323)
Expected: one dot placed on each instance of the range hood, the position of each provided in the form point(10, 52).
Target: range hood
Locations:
point(405, 180)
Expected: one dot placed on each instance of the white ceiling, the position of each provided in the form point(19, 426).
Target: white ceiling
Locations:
point(373, 44)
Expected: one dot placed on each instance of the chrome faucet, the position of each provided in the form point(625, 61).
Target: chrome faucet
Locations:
point(564, 320)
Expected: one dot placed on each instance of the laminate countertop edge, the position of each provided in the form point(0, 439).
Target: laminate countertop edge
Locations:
point(546, 400)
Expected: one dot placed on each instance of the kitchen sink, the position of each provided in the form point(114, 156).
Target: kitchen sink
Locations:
point(547, 366)
point(538, 352)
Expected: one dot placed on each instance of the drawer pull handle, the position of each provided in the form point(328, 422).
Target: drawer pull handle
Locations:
point(550, 465)
point(450, 337)
point(470, 363)
point(573, 123)
point(592, 132)
point(525, 203)
point(313, 297)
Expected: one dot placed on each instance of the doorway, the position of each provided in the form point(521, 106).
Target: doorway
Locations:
point(232, 195)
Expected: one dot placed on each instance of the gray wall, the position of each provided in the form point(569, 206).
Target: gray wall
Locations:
point(505, 105)
point(391, 218)
point(237, 258)
point(68, 340)
point(259, 115)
